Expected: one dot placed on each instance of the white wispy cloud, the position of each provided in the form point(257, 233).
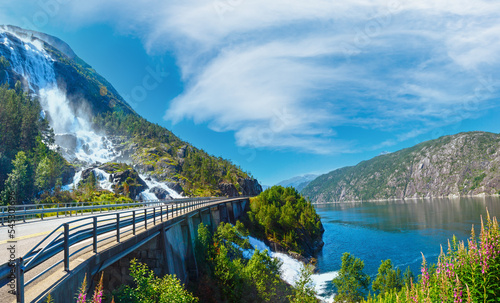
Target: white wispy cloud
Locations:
point(286, 74)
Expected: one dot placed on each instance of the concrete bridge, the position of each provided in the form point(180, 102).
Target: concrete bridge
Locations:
point(162, 236)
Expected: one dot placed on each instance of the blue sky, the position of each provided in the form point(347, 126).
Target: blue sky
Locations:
point(284, 88)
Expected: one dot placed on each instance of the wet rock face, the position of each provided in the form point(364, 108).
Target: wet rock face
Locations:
point(86, 174)
point(68, 174)
point(160, 193)
point(175, 186)
point(120, 174)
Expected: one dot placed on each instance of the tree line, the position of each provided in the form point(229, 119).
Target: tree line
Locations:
point(27, 165)
point(199, 172)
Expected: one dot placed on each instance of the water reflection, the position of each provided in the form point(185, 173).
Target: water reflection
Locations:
point(398, 230)
point(455, 215)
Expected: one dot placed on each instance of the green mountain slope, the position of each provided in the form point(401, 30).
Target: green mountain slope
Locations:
point(457, 165)
point(147, 147)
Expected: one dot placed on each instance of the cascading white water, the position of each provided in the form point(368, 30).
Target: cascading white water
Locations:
point(73, 131)
point(148, 195)
point(103, 179)
point(74, 184)
point(28, 59)
point(290, 270)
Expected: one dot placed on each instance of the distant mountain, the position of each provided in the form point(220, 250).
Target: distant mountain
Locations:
point(457, 165)
point(93, 125)
point(298, 182)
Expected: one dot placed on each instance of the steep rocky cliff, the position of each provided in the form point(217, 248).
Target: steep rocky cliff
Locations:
point(458, 165)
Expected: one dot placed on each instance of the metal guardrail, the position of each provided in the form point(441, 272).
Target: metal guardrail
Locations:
point(33, 211)
point(66, 237)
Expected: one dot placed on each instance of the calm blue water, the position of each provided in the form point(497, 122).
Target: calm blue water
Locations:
point(399, 231)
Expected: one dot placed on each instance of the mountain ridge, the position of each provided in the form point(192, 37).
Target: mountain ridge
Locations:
point(464, 164)
point(298, 182)
point(94, 125)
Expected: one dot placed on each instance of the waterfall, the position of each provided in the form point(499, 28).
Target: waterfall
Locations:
point(28, 59)
point(290, 270)
point(73, 132)
point(74, 135)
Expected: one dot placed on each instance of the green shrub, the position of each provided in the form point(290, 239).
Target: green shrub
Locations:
point(463, 274)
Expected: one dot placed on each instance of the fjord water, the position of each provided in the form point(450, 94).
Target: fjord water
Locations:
point(397, 230)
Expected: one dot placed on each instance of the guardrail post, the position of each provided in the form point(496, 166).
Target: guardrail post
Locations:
point(94, 234)
point(19, 280)
point(154, 215)
point(69, 211)
point(42, 211)
point(3, 216)
point(133, 222)
point(24, 216)
point(161, 213)
point(118, 227)
point(145, 218)
point(66, 247)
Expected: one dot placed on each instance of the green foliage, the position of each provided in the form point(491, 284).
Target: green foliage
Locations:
point(49, 299)
point(351, 283)
point(27, 165)
point(263, 272)
point(18, 186)
point(408, 277)
point(393, 175)
point(388, 278)
point(228, 277)
point(463, 274)
point(304, 289)
point(151, 289)
point(476, 182)
point(43, 173)
point(203, 245)
point(284, 216)
point(199, 172)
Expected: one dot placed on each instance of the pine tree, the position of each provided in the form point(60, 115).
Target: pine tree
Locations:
point(18, 187)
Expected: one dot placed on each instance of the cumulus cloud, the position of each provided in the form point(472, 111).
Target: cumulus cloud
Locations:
point(287, 74)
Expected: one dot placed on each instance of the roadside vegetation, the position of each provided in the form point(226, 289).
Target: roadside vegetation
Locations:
point(467, 272)
point(169, 157)
point(229, 271)
point(285, 217)
point(27, 165)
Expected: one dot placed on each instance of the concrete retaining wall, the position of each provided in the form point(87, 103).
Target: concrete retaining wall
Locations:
point(169, 250)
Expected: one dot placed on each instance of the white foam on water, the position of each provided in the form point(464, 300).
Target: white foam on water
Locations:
point(89, 146)
point(30, 60)
point(153, 183)
point(290, 270)
point(103, 179)
point(74, 184)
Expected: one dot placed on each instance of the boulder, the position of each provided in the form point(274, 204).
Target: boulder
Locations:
point(86, 173)
point(160, 193)
point(121, 173)
point(249, 187)
point(181, 152)
point(175, 186)
point(228, 189)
